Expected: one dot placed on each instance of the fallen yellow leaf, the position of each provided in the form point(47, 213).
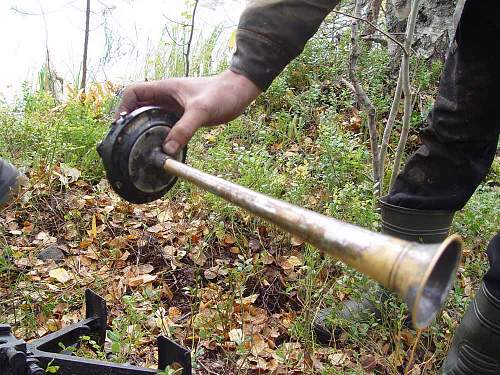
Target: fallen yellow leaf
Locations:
point(140, 280)
point(60, 274)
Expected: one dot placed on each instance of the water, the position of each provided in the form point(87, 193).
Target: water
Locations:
point(123, 33)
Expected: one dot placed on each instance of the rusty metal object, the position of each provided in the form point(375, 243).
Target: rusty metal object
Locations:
point(422, 274)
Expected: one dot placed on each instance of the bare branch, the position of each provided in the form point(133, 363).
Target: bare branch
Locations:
point(85, 47)
point(24, 12)
point(191, 32)
point(375, 27)
point(375, 39)
point(405, 74)
point(389, 126)
point(173, 39)
point(176, 22)
point(363, 99)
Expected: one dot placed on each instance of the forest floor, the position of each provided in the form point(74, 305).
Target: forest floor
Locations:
point(240, 296)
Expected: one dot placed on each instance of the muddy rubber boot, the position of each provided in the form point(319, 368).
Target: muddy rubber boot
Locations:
point(10, 181)
point(422, 226)
point(476, 345)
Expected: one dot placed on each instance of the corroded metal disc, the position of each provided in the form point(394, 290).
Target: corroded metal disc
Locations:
point(132, 154)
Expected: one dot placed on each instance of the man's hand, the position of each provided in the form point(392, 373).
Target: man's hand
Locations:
point(200, 101)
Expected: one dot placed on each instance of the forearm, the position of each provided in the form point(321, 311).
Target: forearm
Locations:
point(273, 32)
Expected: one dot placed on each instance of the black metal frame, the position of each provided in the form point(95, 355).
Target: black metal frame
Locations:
point(20, 358)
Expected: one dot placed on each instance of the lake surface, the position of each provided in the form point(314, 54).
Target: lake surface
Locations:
point(123, 34)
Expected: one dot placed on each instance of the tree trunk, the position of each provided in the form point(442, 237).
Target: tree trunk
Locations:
point(85, 47)
point(435, 28)
point(434, 31)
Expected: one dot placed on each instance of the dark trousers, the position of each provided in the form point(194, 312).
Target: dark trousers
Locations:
point(461, 138)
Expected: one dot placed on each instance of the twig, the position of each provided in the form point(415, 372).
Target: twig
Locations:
point(374, 27)
point(363, 99)
point(207, 369)
point(173, 39)
point(348, 85)
point(405, 71)
point(85, 47)
point(176, 22)
point(375, 39)
point(388, 127)
point(412, 355)
point(191, 32)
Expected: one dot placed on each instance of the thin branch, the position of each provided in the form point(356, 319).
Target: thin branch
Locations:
point(375, 27)
point(388, 127)
point(363, 99)
point(85, 47)
point(191, 32)
point(173, 39)
point(375, 39)
point(176, 22)
point(349, 85)
point(412, 355)
point(405, 68)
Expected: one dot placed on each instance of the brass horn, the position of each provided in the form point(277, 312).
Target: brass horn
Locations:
point(422, 274)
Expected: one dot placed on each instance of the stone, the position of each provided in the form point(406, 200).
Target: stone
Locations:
point(51, 252)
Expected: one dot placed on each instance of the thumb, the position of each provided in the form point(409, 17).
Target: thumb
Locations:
point(183, 131)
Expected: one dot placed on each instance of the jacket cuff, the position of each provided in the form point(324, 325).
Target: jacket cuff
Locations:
point(258, 58)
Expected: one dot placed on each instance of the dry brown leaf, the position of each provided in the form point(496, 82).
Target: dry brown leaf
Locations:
point(229, 240)
point(118, 242)
point(234, 250)
point(140, 280)
point(155, 228)
point(296, 241)
point(368, 362)
point(258, 345)
point(93, 230)
point(266, 258)
point(166, 291)
point(174, 313)
point(236, 336)
point(211, 273)
point(198, 257)
point(337, 359)
point(85, 243)
point(249, 300)
point(254, 244)
point(144, 268)
point(92, 253)
point(60, 274)
point(164, 216)
point(408, 337)
point(295, 261)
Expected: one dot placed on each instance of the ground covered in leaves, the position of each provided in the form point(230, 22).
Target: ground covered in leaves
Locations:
point(239, 296)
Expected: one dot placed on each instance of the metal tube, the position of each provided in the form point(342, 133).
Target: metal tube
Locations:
point(421, 274)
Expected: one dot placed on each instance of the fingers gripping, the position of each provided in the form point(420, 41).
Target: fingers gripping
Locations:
point(184, 130)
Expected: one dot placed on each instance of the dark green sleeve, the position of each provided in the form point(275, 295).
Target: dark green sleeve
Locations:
point(273, 32)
